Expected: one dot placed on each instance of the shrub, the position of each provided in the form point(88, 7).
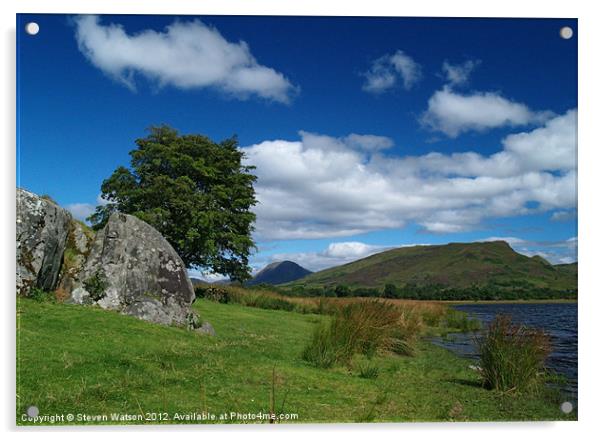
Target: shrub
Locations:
point(96, 285)
point(512, 356)
point(213, 294)
point(40, 295)
point(61, 294)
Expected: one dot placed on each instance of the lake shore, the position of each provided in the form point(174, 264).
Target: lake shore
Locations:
point(507, 301)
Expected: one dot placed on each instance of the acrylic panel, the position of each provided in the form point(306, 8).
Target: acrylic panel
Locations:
point(288, 219)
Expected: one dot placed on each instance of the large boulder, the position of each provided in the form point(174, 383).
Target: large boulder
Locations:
point(42, 228)
point(133, 269)
point(79, 243)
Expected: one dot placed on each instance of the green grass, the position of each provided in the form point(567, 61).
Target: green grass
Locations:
point(513, 356)
point(74, 359)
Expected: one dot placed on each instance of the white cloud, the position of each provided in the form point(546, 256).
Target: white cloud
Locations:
point(555, 252)
point(335, 254)
point(338, 253)
point(101, 201)
point(81, 211)
point(458, 74)
point(186, 55)
point(453, 113)
point(368, 142)
point(322, 186)
point(388, 69)
point(563, 216)
point(207, 276)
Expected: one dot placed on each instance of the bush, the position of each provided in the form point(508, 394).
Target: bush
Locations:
point(40, 295)
point(268, 302)
point(96, 285)
point(512, 356)
point(213, 294)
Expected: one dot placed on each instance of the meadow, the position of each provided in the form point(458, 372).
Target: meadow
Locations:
point(84, 360)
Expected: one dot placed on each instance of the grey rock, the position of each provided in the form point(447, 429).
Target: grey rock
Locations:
point(42, 228)
point(133, 269)
point(206, 329)
point(79, 243)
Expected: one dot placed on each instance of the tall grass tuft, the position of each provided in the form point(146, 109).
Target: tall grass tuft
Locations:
point(512, 356)
point(368, 370)
point(364, 327)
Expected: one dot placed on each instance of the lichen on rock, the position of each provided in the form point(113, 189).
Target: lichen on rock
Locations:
point(144, 275)
point(42, 228)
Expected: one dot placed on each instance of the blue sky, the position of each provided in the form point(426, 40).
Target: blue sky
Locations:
point(367, 133)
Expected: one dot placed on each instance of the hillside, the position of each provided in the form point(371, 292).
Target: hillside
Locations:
point(278, 273)
point(457, 265)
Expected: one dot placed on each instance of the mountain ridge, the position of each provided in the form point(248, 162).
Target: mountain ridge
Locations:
point(457, 265)
point(279, 272)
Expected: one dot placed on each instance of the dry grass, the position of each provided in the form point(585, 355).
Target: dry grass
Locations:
point(366, 327)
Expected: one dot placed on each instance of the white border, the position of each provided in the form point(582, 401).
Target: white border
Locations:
point(590, 246)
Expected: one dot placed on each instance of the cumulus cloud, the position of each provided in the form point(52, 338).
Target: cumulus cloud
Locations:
point(207, 276)
point(338, 253)
point(453, 113)
point(186, 55)
point(458, 74)
point(388, 69)
point(368, 142)
point(81, 211)
point(321, 186)
point(563, 216)
point(335, 254)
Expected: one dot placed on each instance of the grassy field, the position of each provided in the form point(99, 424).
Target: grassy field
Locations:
point(79, 360)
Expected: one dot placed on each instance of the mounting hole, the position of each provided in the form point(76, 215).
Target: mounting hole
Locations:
point(32, 28)
point(33, 411)
point(566, 33)
point(566, 407)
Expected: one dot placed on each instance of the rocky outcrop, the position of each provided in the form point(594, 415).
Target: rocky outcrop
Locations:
point(42, 228)
point(133, 269)
point(128, 266)
point(77, 249)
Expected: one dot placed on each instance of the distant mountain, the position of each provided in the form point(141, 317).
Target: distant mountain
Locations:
point(198, 282)
point(278, 273)
point(458, 265)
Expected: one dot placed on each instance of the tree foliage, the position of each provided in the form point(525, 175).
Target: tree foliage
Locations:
point(194, 191)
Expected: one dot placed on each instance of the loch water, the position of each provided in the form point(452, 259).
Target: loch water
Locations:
point(559, 320)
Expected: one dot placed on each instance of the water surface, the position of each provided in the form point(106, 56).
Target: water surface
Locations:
point(557, 319)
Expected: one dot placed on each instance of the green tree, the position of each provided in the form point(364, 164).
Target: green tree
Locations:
point(342, 291)
point(390, 291)
point(194, 191)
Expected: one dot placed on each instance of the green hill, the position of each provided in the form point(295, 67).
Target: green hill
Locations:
point(454, 265)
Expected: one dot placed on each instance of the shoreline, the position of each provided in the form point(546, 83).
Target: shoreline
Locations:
point(506, 301)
